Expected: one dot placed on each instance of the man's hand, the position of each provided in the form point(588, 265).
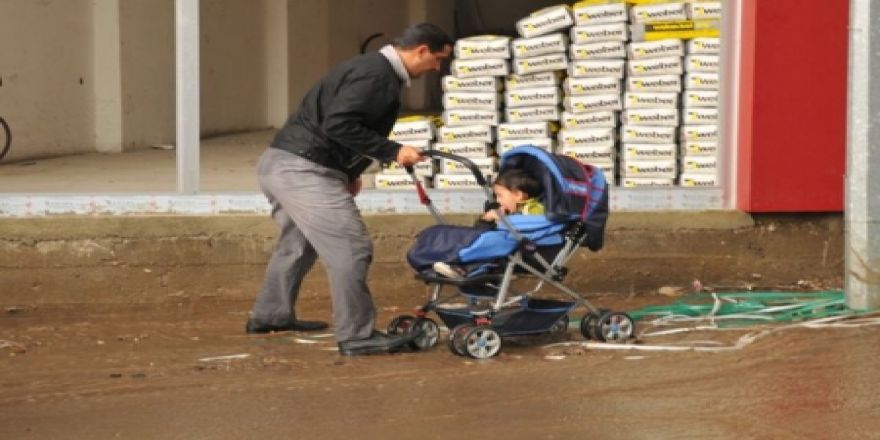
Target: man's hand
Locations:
point(354, 188)
point(408, 156)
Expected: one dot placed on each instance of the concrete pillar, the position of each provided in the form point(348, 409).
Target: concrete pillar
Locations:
point(863, 158)
point(186, 43)
point(108, 76)
point(277, 54)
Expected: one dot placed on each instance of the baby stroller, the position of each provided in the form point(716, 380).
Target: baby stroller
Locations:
point(575, 197)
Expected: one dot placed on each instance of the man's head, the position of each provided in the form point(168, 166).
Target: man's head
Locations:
point(422, 48)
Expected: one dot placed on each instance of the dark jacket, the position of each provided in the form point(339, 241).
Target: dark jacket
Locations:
point(347, 116)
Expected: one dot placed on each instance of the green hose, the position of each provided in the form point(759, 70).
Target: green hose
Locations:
point(748, 308)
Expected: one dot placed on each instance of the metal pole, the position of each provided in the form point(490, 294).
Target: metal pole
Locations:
point(186, 26)
point(863, 152)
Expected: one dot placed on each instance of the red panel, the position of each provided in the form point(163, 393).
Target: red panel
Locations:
point(793, 106)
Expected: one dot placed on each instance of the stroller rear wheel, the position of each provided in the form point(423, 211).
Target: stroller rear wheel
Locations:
point(401, 324)
point(615, 327)
point(428, 334)
point(588, 323)
point(456, 339)
point(560, 326)
point(482, 342)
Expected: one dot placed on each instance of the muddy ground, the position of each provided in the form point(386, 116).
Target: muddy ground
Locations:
point(138, 372)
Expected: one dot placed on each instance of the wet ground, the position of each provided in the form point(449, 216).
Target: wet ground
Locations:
point(147, 372)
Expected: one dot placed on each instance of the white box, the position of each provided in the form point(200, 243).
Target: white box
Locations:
point(654, 83)
point(700, 98)
point(600, 32)
point(424, 144)
point(471, 100)
point(465, 133)
point(603, 119)
point(586, 137)
point(585, 14)
point(465, 149)
point(597, 85)
point(459, 117)
point(600, 50)
point(412, 130)
point(505, 145)
point(649, 151)
point(523, 130)
point(590, 155)
point(650, 100)
point(585, 68)
point(666, 169)
point(545, 21)
point(699, 165)
point(479, 67)
point(592, 103)
point(486, 165)
point(532, 97)
point(482, 46)
point(701, 81)
point(398, 181)
point(664, 117)
point(425, 168)
point(702, 63)
point(702, 133)
point(455, 181)
point(699, 115)
point(543, 79)
point(698, 148)
point(704, 45)
point(698, 180)
point(704, 10)
point(540, 63)
point(647, 134)
point(652, 13)
point(476, 84)
point(670, 47)
point(543, 45)
point(531, 114)
point(646, 182)
point(655, 66)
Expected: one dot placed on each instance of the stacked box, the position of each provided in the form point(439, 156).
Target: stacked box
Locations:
point(700, 112)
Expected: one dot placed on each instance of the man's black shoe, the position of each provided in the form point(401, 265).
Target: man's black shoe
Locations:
point(378, 342)
point(253, 327)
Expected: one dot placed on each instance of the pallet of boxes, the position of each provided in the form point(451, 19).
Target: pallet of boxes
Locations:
point(417, 132)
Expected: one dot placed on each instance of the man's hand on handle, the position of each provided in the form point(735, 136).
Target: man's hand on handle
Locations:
point(408, 156)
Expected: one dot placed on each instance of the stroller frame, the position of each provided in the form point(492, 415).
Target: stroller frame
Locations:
point(477, 331)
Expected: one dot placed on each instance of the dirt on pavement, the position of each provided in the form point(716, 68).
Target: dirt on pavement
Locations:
point(186, 370)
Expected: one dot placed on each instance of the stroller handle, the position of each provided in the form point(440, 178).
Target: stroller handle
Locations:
point(481, 180)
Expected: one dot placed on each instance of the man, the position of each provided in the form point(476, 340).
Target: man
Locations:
point(311, 173)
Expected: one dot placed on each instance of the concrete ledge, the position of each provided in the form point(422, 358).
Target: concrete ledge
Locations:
point(160, 258)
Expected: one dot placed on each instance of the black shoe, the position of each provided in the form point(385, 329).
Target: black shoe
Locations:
point(253, 327)
point(378, 342)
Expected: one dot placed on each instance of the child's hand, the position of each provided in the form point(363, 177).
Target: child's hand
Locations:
point(490, 216)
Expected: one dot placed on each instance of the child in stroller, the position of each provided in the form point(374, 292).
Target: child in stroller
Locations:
point(516, 192)
point(575, 201)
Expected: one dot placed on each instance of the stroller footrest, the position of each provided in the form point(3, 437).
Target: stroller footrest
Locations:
point(429, 277)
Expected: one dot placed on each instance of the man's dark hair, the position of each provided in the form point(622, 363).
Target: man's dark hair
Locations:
point(519, 180)
point(423, 33)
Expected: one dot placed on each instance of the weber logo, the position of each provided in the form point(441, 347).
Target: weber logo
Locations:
point(473, 117)
point(600, 14)
point(485, 50)
point(475, 100)
point(649, 152)
point(587, 34)
point(451, 136)
point(702, 135)
point(646, 134)
point(656, 66)
point(539, 46)
point(543, 62)
point(700, 165)
point(650, 169)
point(599, 50)
point(598, 70)
point(472, 84)
point(654, 117)
point(487, 67)
point(590, 139)
point(590, 155)
point(589, 120)
point(660, 83)
point(533, 113)
point(690, 181)
point(701, 148)
point(522, 132)
point(448, 182)
point(702, 99)
point(561, 19)
point(463, 149)
point(651, 100)
point(411, 132)
point(662, 49)
point(598, 104)
point(535, 96)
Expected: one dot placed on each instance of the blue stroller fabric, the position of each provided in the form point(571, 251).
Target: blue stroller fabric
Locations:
point(573, 192)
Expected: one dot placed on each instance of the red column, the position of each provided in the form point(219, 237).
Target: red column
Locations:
point(793, 106)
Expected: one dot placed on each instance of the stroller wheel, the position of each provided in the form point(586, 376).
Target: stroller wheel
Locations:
point(615, 327)
point(588, 323)
point(400, 325)
point(482, 342)
point(561, 326)
point(456, 339)
point(428, 334)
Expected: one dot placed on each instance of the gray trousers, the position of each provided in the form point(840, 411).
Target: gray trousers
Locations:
point(317, 217)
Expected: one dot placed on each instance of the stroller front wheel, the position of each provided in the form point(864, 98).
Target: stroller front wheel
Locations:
point(615, 327)
point(401, 325)
point(456, 339)
point(482, 342)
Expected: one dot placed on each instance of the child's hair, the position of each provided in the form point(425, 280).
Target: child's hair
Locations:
point(519, 180)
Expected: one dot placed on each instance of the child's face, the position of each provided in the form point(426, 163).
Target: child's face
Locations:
point(508, 198)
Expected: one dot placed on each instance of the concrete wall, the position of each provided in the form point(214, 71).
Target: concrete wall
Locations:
point(47, 92)
point(170, 258)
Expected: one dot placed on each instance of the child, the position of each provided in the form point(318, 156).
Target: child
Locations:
point(516, 192)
